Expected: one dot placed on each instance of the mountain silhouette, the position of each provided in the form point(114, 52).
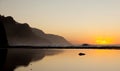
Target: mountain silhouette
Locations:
point(23, 34)
point(55, 40)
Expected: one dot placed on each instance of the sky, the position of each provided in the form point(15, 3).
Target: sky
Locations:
point(79, 21)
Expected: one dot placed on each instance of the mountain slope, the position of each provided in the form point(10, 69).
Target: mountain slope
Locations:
point(56, 40)
point(23, 34)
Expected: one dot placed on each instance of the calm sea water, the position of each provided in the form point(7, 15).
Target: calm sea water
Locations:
point(64, 60)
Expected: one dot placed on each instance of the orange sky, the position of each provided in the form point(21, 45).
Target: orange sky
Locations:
point(79, 21)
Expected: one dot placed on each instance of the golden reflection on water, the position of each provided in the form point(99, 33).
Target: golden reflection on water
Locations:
point(104, 53)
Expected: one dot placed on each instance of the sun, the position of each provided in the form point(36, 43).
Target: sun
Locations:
point(106, 40)
point(102, 41)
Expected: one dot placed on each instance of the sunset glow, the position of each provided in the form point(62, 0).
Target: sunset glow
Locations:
point(78, 21)
point(102, 42)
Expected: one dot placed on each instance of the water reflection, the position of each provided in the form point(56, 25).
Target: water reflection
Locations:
point(22, 57)
point(69, 60)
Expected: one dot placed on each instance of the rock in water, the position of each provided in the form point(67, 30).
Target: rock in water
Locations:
point(81, 54)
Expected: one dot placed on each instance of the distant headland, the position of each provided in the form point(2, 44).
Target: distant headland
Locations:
point(22, 34)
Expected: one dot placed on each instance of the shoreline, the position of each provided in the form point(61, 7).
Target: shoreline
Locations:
point(61, 47)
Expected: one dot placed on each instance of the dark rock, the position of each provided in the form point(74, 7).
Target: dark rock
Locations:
point(81, 54)
point(85, 44)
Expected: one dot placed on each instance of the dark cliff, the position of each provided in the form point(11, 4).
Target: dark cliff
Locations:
point(23, 34)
